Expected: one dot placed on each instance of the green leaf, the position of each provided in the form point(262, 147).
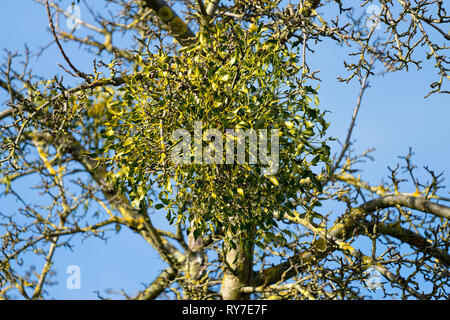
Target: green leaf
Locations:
point(274, 180)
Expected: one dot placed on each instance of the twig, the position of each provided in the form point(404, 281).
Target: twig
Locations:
point(52, 27)
point(364, 86)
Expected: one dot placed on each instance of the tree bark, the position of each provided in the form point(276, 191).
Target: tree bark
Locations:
point(238, 269)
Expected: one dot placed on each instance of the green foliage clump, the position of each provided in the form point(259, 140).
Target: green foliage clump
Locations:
point(231, 78)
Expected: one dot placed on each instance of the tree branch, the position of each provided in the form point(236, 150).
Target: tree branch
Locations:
point(411, 202)
point(410, 237)
point(177, 27)
point(158, 285)
point(341, 230)
point(52, 27)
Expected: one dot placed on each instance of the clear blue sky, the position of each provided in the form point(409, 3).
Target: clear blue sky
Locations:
point(394, 116)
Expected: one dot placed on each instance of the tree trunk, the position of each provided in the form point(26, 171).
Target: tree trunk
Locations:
point(238, 267)
point(195, 266)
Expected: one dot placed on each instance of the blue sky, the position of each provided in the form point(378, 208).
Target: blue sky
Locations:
point(394, 116)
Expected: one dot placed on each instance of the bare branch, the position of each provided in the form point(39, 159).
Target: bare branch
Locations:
point(52, 27)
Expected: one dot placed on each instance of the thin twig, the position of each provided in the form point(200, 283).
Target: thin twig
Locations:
point(346, 145)
point(52, 27)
